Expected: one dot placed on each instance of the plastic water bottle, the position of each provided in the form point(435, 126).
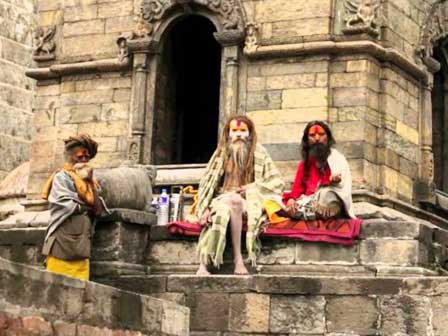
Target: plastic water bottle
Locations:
point(164, 208)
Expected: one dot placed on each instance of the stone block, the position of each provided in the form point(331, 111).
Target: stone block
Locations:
point(290, 29)
point(216, 284)
point(78, 13)
point(115, 111)
point(408, 133)
point(53, 17)
point(405, 315)
point(393, 252)
point(263, 100)
point(102, 129)
point(279, 10)
point(37, 326)
point(280, 253)
point(308, 313)
point(209, 311)
point(295, 81)
point(87, 97)
point(290, 67)
point(352, 315)
point(405, 187)
point(121, 95)
point(256, 84)
point(280, 133)
point(439, 306)
point(325, 253)
point(83, 28)
point(62, 328)
point(287, 116)
point(79, 114)
point(121, 8)
point(350, 97)
point(356, 79)
point(300, 98)
point(283, 152)
point(249, 312)
point(176, 252)
point(75, 46)
point(104, 83)
point(120, 24)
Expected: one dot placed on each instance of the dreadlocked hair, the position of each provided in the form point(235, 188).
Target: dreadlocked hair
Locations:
point(305, 146)
point(222, 146)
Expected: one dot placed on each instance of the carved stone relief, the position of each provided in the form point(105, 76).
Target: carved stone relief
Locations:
point(251, 43)
point(45, 44)
point(362, 16)
point(152, 12)
point(435, 29)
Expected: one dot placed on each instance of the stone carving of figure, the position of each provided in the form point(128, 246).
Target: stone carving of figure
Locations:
point(45, 44)
point(362, 13)
point(251, 43)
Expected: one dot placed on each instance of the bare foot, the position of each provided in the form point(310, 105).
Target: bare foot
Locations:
point(202, 270)
point(240, 268)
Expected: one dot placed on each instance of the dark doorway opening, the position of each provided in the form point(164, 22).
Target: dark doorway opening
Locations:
point(440, 119)
point(188, 90)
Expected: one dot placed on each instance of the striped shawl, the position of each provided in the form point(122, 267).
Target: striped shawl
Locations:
point(267, 185)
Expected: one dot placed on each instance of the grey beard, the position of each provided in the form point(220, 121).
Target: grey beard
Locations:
point(238, 152)
point(83, 170)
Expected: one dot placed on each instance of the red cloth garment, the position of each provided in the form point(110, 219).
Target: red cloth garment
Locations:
point(335, 231)
point(314, 180)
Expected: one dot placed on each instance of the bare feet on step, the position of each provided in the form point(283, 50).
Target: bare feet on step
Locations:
point(202, 270)
point(240, 268)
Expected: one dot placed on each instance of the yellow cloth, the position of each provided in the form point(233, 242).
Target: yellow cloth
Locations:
point(272, 208)
point(79, 269)
point(86, 190)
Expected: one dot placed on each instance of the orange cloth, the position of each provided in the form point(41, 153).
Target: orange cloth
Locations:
point(272, 208)
point(86, 189)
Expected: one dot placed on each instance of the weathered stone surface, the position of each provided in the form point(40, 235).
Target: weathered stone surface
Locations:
point(318, 253)
point(308, 312)
point(209, 311)
point(395, 252)
point(249, 312)
point(405, 314)
point(352, 314)
point(263, 100)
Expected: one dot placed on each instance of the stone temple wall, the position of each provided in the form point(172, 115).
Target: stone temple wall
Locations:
point(17, 22)
point(294, 61)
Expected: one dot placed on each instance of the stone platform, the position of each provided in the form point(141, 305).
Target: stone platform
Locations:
point(227, 305)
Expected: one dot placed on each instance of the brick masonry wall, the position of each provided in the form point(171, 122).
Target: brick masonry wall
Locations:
point(18, 20)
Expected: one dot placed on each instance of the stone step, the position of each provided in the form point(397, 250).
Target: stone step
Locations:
point(383, 246)
point(302, 305)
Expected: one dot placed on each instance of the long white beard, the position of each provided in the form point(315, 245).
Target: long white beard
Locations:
point(238, 152)
point(83, 170)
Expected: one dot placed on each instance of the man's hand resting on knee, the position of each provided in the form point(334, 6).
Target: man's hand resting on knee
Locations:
point(205, 218)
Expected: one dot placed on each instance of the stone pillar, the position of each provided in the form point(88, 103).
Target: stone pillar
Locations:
point(145, 61)
point(424, 187)
point(228, 104)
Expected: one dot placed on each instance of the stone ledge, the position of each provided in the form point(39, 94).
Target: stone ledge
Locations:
point(59, 70)
point(346, 47)
point(46, 295)
point(130, 216)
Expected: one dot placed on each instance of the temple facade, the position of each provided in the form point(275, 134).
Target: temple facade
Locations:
point(153, 81)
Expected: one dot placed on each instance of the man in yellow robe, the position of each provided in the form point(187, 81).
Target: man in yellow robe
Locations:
point(74, 202)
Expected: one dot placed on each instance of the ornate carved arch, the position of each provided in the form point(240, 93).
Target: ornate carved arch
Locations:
point(229, 12)
point(433, 31)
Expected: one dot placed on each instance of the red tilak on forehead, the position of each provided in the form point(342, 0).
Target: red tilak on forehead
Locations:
point(238, 123)
point(316, 129)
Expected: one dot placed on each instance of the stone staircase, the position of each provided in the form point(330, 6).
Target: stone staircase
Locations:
point(390, 282)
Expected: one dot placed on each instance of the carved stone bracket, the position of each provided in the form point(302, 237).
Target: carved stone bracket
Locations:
point(45, 45)
point(433, 31)
point(362, 16)
point(252, 36)
point(152, 12)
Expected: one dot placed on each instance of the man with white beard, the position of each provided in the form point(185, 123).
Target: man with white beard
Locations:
point(239, 181)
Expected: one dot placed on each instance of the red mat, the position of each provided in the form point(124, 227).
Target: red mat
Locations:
point(335, 231)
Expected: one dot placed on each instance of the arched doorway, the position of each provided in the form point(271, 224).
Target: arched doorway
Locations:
point(440, 118)
point(187, 90)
